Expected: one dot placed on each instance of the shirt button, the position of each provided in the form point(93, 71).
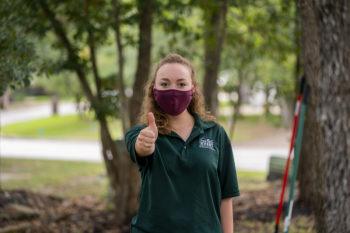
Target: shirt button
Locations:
point(184, 147)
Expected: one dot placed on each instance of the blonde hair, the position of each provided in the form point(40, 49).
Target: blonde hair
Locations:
point(150, 105)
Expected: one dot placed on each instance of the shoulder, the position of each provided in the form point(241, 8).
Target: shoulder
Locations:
point(221, 134)
point(217, 131)
point(215, 126)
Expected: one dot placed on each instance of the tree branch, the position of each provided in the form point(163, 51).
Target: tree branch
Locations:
point(92, 47)
point(120, 64)
point(72, 56)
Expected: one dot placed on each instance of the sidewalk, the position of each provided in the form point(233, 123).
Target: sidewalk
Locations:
point(34, 112)
point(247, 158)
point(252, 155)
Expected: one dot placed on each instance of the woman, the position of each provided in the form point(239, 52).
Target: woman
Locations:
point(184, 157)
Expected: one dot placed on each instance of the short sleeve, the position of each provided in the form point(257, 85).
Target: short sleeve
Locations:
point(130, 140)
point(227, 168)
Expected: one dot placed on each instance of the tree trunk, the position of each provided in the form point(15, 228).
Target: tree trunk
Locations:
point(234, 116)
point(236, 111)
point(214, 34)
point(54, 105)
point(142, 74)
point(5, 99)
point(122, 175)
point(325, 159)
point(287, 111)
point(144, 58)
point(298, 69)
point(124, 105)
point(124, 188)
point(267, 104)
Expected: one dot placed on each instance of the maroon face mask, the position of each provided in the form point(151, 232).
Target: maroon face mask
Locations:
point(173, 101)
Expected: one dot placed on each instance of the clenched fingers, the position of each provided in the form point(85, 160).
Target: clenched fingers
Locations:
point(147, 145)
point(147, 133)
point(146, 139)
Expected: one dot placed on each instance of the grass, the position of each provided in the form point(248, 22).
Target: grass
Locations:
point(70, 179)
point(273, 120)
point(22, 101)
point(75, 127)
point(62, 178)
point(252, 127)
point(60, 127)
point(251, 180)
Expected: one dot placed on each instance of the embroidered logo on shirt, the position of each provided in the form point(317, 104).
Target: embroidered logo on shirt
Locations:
point(206, 143)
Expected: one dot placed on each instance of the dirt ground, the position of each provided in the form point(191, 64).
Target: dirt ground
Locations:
point(25, 211)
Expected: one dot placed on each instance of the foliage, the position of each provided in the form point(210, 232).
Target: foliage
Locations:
point(17, 56)
point(260, 46)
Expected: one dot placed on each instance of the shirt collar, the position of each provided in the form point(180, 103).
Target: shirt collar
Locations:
point(198, 128)
point(202, 124)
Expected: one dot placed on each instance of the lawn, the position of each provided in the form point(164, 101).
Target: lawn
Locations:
point(71, 178)
point(75, 127)
point(84, 182)
point(60, 127)
point(62, 178)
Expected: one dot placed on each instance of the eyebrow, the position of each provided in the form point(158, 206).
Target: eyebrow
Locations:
point(181, 79)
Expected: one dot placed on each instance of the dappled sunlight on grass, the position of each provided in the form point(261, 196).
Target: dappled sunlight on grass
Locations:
point(251, 180)
point(252, 127)
point(86, 128)
point(61, 127)
point(62, 178)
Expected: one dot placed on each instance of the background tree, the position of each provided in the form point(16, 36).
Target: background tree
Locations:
point(214, 14)
point(76, 30)
point(145, 19)
point(325, 161)
point(15, 48)
point(260, 55)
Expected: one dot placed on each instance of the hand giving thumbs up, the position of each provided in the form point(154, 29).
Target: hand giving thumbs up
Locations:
point(145, 142)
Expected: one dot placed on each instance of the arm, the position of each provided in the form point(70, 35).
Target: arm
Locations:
point(226, 212)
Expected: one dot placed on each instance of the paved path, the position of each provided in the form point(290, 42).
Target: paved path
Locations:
point(34, 112)
point(250, 158)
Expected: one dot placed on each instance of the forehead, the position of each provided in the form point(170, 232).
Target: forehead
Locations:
point(173, 72)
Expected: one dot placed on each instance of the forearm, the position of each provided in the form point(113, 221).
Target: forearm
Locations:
point(226, 212)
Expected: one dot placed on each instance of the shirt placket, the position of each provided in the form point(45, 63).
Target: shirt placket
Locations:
point(195, 133)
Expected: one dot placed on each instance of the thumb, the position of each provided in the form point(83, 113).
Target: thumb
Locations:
point(152, 122)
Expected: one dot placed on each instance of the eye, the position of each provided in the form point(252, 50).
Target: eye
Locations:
point(182, 84)
point(163, 84)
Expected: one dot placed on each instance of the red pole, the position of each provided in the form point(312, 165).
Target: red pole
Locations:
point(286, 169)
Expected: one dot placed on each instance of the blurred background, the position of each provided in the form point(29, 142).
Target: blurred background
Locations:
point(72, 76)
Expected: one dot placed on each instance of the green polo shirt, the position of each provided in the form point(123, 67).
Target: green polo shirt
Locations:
point(183, 182)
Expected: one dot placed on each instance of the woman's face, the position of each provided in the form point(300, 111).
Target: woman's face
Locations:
point(173, 76)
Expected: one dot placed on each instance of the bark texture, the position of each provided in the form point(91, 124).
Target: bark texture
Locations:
point(145, 8)
point(325, 159)
point(215, 29)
